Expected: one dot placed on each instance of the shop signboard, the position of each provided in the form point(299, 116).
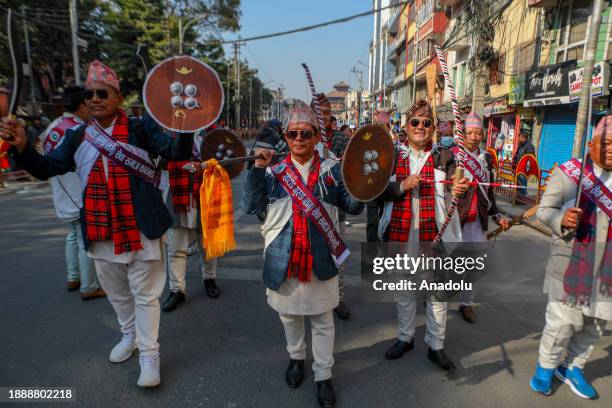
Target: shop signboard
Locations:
point(548, 85)
point(599, 86)
point(516, 96)
point(497, 107)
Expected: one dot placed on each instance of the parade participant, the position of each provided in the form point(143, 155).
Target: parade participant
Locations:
point(182, 199)
point(579, 270)
point(124, 216)
point(414, 211)
point(300, 259)
point(339, 140)
point(67, 200)
point(342, 310)
point(479, 202)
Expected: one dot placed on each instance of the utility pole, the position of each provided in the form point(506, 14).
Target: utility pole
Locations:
point(227, 96)
point(26, 36)
point(261, 100)
point(237, 91)
point(359, 76)
point(415, 55)
point(75, 45)
point(587, 78)
point(250, 100)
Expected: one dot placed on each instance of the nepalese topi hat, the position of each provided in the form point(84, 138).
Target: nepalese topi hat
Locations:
point(604, 127)
point(420, 109)
point(300, 113)
point(473, 121)
point(98, 72)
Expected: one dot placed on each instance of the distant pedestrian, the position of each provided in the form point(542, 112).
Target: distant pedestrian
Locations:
point(67, 197)
point(525, 147)
point(34, 131)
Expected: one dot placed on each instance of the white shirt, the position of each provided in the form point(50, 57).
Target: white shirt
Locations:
point(66, 189)
point(105, 250)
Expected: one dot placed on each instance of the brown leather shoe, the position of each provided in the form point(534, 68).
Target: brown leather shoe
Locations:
point(95, 294)
point(73, 285)
point(468, 313)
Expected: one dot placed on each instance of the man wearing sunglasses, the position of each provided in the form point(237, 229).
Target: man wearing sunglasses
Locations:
point(414, 211)
point(302, 246)
point(478, 203)
point(123, 216)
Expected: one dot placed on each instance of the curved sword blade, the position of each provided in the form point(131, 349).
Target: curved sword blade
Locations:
point(16, 64)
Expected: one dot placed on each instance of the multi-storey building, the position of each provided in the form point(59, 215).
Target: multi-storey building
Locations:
point(565, 26)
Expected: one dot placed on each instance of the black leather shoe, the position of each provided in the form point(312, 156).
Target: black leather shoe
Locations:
point(174, 299)
point(440, 358)
point(212, 290)
point(342, 311)
point(295, 373)
point(325, 394)
point(398, 349)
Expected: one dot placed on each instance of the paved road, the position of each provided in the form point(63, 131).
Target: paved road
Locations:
point(230, 352)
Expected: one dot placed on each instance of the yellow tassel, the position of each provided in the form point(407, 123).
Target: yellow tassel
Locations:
point(216, 211)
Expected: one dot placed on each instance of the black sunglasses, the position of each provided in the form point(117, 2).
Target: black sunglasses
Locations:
point(306, 134)
point(102, 93)
point(416, 122)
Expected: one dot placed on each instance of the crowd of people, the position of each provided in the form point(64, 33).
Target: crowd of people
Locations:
point(122, 223)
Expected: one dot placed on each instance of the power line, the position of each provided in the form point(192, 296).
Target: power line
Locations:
point(314, 26)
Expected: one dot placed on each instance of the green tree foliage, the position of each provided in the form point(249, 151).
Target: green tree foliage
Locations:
point(113, 29)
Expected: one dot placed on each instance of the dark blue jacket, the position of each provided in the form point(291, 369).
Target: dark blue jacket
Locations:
point(262, 189)
point(151, 213)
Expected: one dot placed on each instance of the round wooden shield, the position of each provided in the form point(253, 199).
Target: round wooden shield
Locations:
point(183, 94)
point(367, 162)
point(222, 144)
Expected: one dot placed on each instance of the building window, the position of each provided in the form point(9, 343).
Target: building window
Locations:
point(425, 12)
point(574, 22)
point(497, 71)
point(523, 58)
point(424, 49)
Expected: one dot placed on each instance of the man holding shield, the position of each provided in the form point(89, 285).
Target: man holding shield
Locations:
point(302, 246)
point(123, 215)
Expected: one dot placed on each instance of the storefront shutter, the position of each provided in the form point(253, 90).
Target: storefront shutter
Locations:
point(557, 137)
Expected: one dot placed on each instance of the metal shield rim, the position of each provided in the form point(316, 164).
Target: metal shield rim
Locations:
point(144, 94)
point(388, 176)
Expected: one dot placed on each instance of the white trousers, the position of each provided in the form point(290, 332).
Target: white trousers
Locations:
point(323, 332)
point(178, 240)
point(435, 318)
point(133, 290)
point(568, 332)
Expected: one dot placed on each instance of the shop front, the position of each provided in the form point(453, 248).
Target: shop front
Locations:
point(502, 123)
point(553, 91)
